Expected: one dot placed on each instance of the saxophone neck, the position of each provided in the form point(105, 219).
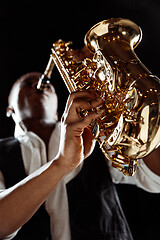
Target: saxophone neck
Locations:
point(45, 78)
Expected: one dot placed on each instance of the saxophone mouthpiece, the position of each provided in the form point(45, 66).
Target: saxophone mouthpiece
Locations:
point(43, 82)
point(45, 78)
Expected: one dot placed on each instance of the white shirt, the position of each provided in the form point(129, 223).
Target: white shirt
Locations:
point(34, 156)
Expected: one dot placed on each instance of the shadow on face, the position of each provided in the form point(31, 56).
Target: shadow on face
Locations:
point(26, 102)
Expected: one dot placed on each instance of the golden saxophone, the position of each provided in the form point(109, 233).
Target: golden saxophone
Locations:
point(130, 127)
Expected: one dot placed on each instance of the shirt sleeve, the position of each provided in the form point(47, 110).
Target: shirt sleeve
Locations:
point(143, 178)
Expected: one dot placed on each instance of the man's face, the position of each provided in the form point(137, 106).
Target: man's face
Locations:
point(28, 103)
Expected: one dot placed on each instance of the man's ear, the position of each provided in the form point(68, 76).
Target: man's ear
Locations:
point(9, 111)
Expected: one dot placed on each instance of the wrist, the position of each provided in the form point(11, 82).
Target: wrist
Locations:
point(60, 167)
point(63, 165)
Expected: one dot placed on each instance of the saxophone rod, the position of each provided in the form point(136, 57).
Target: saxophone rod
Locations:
point(45, 78)
point(66, 78)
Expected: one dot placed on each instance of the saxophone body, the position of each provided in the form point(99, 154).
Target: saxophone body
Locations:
point(130, 127)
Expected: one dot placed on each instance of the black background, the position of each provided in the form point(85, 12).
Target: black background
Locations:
point(27, 31)
point(29, 28)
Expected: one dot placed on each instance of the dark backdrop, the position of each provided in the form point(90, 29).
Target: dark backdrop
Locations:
point(27, 31)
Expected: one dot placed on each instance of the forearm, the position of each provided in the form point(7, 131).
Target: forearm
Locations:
point(153, 161)
point(19, 203)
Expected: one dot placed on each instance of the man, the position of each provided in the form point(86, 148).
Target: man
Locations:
point(29, 106)
point(85, 204)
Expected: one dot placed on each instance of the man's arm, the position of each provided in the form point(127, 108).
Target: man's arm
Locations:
point(147, 174)
point(20, 202)
point(153, 161)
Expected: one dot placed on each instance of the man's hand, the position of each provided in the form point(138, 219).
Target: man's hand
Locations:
point(76, 138)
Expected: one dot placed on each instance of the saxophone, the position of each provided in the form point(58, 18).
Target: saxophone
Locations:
point(130, 127)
